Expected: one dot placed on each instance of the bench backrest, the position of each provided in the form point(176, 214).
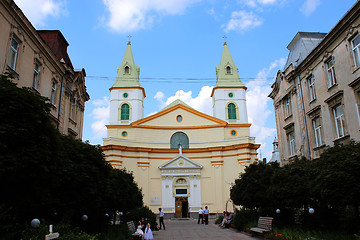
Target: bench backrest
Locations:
point(131, 226)
point(265, 223)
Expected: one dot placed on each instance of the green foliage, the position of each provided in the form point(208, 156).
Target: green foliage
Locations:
point(142, 212)
point(46, 175)
point(297, 233)
point(219, 219)
point(66, 232)
point(329, 184)
point(245, 219)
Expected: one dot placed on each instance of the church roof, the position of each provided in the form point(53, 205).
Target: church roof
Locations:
point(129, 77)
point(223, 77)
point(174, 103)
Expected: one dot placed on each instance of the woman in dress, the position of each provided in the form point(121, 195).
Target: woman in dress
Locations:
point(148, 233)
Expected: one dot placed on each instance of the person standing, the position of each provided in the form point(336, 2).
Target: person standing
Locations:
point(161, 218)
point(148, 233)
point(206, 214)
point(201, 216)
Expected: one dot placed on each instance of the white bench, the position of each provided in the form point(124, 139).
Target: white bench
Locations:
point(264, 225)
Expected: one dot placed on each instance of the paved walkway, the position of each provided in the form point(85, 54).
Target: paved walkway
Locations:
point(189, 229)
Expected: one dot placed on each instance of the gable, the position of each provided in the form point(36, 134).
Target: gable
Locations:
point(190, 118)
point(180, 162)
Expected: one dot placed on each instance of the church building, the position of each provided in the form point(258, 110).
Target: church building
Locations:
point(181, 158)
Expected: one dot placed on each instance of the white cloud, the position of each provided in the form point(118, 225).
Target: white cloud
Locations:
point(260, 3)
point(202, 102)
point(260, 107)
point(37, 11)
point(309, 6)
point(242, 20)
point(100, 116)
point(132, 15)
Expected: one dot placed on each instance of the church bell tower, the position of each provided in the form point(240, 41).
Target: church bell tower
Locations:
point(229, 97)
point(126, 94)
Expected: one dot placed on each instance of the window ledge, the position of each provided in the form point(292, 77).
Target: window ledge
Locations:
point(52, 106)
point(332, 86)
point(312, 101)
point(319, 147)
point(72, 121)
point(286, 118)
point(35, 90)
point(356, 69)
point(340, 139)
point(12, 71)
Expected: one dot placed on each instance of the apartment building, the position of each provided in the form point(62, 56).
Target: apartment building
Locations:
point(39, 59)
point(317, 94)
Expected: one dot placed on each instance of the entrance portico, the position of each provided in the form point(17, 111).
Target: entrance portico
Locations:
point(181, 186)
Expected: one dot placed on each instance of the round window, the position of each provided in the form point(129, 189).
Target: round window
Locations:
point(125, 95)
point(124, 133)
point(179, 118)
point(233, 132)
point(231, 95)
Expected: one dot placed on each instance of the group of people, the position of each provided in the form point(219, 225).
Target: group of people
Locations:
point(204, 216)
point(143, 230)
point(227, 219)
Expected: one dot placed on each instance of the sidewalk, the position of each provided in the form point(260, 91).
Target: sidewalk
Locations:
point(189, 229)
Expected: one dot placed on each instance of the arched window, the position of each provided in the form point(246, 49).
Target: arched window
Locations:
point(231, 111)
point(228, 70)
point(177, 139)
point(127, 70)
point(125, 112)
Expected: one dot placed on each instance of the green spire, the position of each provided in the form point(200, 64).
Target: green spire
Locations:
point(128, 73)
point(227, 74)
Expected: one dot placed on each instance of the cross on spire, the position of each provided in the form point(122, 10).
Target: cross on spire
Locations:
point(224, 37)
point(129, 42)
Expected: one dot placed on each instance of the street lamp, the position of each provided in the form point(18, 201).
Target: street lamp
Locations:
point(311, 210)
point(35, 223)
point(277, 210)
point(84, 217)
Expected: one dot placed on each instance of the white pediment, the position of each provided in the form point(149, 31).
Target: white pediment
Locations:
point(180, 162)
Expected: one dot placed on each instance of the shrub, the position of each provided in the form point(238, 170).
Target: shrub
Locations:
point(245, 218)
point(142, 212)
point(219, 219)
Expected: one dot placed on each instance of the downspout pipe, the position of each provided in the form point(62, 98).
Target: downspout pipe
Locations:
point(61, 96)
point(304, 117)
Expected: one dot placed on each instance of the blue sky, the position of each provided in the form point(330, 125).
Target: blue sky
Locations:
point(178, 44)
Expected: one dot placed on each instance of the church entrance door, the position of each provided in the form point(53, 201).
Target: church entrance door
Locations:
point(181, 207)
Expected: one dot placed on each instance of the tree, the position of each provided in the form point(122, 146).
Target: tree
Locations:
point(251, 190)
point(47, 175)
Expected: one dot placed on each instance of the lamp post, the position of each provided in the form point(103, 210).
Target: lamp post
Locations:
point(84, 217)
point(35, 223)
point(278, 211)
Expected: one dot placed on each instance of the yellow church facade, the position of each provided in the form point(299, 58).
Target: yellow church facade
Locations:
point(181, 158)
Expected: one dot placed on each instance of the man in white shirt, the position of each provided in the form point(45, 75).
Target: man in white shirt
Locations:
point(206, 214)
point(201, 216)
point(161, 218)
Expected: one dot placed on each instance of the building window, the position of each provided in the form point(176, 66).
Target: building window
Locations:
point(233, 132)
point(53, 93)
point(330, 72)
point(339, 120)
point(291, 140)
point(228, 70)
point(72, 109)
point(37, 69)
point(125, 95)
point(231, 111)
point(317, 131)
point(14, 48)
point(179, 139)
point(127, 70)
point(355, 44)
point(358, 106)
point(288, 110)
point(179, 118)
point(125, 112)
point(124, 134)
point(311, 88)
point(231, 95)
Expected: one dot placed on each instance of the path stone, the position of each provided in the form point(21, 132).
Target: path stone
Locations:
point(189, 229)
